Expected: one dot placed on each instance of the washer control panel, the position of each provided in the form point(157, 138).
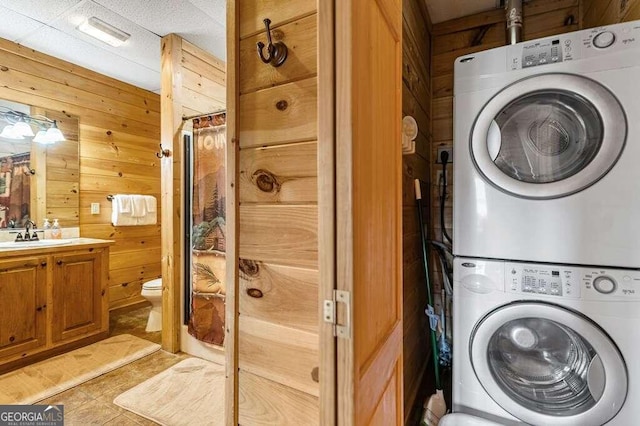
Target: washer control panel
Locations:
point(542, 279)
point(589, 283)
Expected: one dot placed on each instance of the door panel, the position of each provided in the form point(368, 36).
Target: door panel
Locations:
point(368, 170)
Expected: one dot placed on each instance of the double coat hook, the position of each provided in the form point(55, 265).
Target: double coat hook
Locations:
point(163, 152)
point(276, 52)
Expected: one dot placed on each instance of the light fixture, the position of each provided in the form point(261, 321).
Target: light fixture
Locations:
point(104, 32)
point(22, 128)
point(19, 126)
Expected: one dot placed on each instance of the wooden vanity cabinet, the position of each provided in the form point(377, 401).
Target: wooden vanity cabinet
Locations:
point(23, 299)
point(52, 300)
point(77, 295)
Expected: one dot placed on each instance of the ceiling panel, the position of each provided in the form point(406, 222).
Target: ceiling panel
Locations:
point(216, 9)
point(444, 10)
point(143, 47)
point(61, 45)
point(13, 25)
point(179, 17)
point(43, 11)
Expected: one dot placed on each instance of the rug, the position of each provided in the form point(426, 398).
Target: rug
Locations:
point(187, 394)
point(46, 378)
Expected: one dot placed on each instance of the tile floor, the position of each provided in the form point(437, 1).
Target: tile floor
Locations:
point(91, 403)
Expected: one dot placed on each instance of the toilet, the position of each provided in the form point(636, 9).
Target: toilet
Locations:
point(461, 419)
point(152, 291)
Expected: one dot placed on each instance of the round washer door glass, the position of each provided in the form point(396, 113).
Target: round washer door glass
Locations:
point(548, 136)
point(543, 371)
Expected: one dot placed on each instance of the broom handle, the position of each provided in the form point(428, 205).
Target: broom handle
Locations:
point(423, 238)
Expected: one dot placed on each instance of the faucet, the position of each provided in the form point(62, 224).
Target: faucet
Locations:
point(28, 237)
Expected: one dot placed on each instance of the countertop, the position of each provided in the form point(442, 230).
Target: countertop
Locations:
point(72, 244)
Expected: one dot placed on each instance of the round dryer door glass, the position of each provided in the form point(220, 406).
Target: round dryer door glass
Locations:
point(545, 136)
point(548, 136)
point(543, 371)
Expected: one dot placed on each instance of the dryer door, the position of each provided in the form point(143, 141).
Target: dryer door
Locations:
point(548, 136)
point(547, 365)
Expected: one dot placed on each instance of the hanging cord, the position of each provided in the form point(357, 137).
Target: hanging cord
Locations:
point(444, 158)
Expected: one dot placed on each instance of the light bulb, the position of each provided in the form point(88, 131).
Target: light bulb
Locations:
point(9, 132)
point(22, 128)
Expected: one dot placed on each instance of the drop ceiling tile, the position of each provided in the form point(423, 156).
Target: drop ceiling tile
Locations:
point(143, 47)
point(61, 45)
point(13, 25)
point(216, 9)
point(164, 17)
point(43, 11)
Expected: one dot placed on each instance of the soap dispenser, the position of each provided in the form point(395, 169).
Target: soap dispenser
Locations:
point(46, 228)
point(56, 232)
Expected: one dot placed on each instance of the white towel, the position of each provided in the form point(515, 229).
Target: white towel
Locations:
point(118, 217)
point(151, 218)
point(151, 203)
point(138, 206)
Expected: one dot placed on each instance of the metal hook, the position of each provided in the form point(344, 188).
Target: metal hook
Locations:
point(277, 52)
point(163, 152)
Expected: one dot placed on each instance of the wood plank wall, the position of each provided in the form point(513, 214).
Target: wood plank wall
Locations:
point(278, 342)
point(193, 83)
point(119, 136)
point(463, 36)
point(605, 12)
point(416, 101)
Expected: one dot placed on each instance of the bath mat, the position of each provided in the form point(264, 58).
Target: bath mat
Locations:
point(189, 393)
point(46, 378)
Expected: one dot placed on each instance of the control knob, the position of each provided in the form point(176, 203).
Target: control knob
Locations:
point(604, 285)
point(604, 39)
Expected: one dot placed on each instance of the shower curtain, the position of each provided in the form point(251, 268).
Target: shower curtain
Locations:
point(208, 231)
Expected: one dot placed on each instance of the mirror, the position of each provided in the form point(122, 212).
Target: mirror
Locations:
point(39, 181)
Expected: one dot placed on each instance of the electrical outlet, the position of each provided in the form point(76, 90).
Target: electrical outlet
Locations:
point(445, 149)
point(95, 208)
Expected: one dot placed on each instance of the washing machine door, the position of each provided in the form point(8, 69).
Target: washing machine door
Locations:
point(547, 365)
point(548, 136)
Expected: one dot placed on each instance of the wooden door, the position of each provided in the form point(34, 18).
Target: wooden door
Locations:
point(23, 298)
point(77, 295)
point(368, 203)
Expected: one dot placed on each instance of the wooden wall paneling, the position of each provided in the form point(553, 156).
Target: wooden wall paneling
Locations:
point(327, 403)
point(277, 131)
point(171, 87)
point(597, 13)
point(281, 114)
point(252, 14)
point(293, 361)
point(283, 234)
point(278, 293)
point(282, 173)
point(117, 127)
point(231, 385)
point(416, 101)
point(300, 37)
point(263, 402)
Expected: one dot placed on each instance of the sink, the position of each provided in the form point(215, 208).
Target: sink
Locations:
point(30, 244)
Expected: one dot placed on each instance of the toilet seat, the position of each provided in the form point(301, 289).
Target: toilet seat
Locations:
point(153, 284)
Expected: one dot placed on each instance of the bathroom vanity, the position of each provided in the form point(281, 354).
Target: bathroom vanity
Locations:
point(53, 298)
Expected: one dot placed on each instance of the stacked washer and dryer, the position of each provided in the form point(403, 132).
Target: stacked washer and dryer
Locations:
point(547, 230)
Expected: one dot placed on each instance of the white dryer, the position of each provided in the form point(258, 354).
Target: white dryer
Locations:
point(547, 150)
point(546, 344)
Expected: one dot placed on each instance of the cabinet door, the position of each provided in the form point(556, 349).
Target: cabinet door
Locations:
point(23, 295)
point(77, 296)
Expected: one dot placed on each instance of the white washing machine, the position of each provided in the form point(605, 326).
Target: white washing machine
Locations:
point(546, 344)
point(547, 150)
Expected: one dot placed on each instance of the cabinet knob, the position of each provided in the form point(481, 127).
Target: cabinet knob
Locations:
point(59, 262)
point(12, 338)
point(102, 293)
point(43, 264)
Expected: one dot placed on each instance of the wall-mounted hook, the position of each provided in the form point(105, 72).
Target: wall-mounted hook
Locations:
point(277, 52)
point(30, 172)
point(163, 152)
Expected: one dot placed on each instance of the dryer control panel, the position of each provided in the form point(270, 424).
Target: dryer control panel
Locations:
point(580, 44)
